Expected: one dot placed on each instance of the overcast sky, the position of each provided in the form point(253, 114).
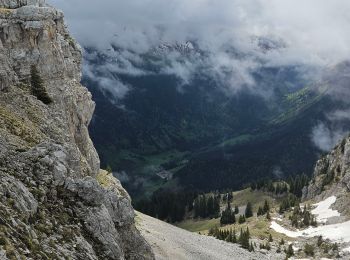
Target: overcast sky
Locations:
point(315, 31)
point(312, 33)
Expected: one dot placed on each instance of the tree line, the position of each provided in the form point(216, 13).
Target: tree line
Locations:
point(293, 185)
point(229, 235)
point(170, 206)
point(207, 206)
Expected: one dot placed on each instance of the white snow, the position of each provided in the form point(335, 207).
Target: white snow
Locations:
point(336, 232)
point(295, 248)
point(278, 228)
point(347, 249)
point(323, 211)
point(278, 218)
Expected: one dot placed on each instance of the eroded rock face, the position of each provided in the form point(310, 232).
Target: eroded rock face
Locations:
point(18, 3)
point(55, 203)
point(332, 178)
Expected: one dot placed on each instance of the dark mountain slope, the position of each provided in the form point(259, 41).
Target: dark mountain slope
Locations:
point(199, 135)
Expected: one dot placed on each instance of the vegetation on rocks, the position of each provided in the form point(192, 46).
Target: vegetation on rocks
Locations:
point(38, 88)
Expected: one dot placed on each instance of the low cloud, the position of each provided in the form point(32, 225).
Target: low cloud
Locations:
point(122, 176)
point(325, 137)
point(233, 38)
point(314, 31)
point(277, 172)
point(339, 115)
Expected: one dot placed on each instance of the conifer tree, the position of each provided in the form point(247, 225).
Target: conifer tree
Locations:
point(109, 169)
point(216, 207)
point(234, 237)
point(279, 249)
point(248, 210)
point(227, 216)
point(210, 206)
point(241, 219)
point(282, 241)
point(290, 251)
point(266, 207)
point(270, 238)
point(268, 246)
point(268, 217)
point(38, 88)
point(244, 239)
point(251, 247)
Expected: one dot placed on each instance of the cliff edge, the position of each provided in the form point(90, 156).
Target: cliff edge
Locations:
point(332, 178)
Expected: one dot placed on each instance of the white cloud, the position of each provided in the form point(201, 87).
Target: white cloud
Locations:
point(315, 31)
point(325, 138)
point(310, 33)
point(108, 82)
point(339, 115)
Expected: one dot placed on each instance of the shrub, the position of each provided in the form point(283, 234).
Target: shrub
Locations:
point(290, 251)
point(3, 240)
point(270, 238)
point(309, 250)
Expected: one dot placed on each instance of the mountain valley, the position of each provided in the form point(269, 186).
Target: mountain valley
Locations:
point(179, 130)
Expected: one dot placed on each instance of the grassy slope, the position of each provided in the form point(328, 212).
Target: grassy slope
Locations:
point(259, 226)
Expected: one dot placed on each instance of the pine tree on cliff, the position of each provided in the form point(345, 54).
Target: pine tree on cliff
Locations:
point(38, 88)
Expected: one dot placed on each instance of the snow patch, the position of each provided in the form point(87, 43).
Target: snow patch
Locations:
point(278, 218)
point(278, 228)
point(323, 210)
point(347, 250)
point(336, 232)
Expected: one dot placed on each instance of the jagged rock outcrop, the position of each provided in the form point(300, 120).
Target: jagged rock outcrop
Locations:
point(332, 178)
point(55, 202)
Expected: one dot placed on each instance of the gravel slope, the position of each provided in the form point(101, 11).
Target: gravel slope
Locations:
point(170, 242)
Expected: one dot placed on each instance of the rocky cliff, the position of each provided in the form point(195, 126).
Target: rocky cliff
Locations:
point(55, 202)
point(332, 178)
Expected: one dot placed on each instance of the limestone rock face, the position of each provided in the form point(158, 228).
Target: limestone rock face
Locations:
point(332, 178)
point(18, 3)
point(55, 202)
